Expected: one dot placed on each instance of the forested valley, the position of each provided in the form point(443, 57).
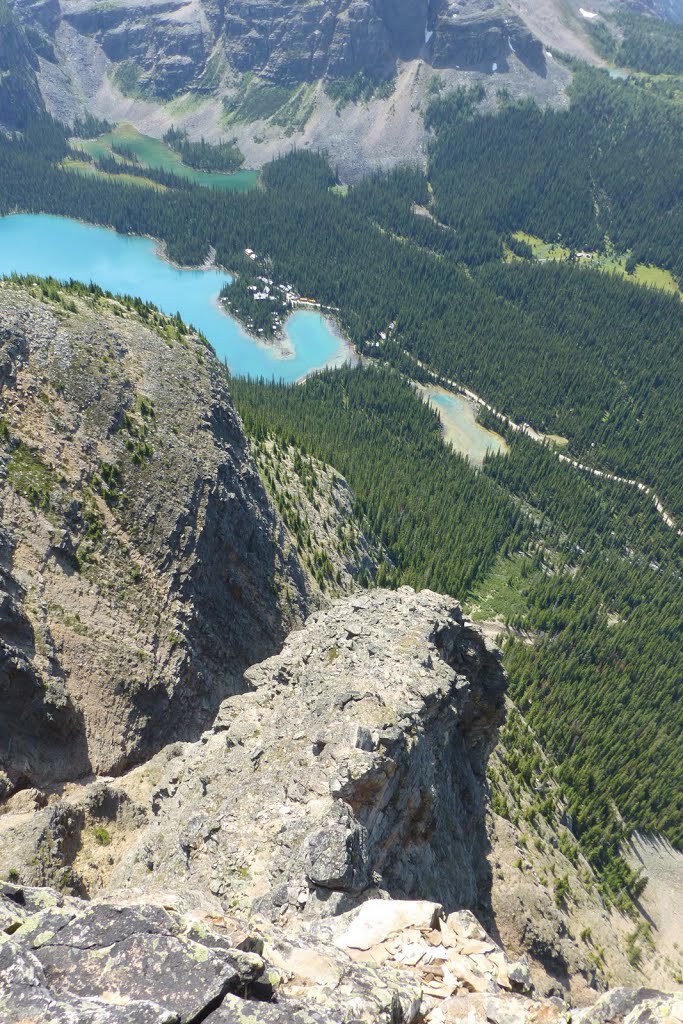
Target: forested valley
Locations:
point(603, 598)
point(426, 278)
point(609, 389)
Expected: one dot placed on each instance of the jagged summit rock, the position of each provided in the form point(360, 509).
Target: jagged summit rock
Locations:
point(355, 764)
point(358, 757)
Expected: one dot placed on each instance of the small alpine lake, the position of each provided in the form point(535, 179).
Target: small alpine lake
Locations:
point(460, 427)
point(66, 249)
point(157, 155)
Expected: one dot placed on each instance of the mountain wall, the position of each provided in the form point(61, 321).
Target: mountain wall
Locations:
point(483, 35)
point(170, 46)
point(142, 565)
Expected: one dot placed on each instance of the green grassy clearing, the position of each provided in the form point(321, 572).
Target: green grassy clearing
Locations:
point(256, 100)
point(611, 262)
point(29, 476)
point(83, 167)
point(556, 440)
point(502, 594)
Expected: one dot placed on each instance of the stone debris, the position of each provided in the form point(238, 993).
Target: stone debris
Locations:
point(437, 948)
point(67, 961)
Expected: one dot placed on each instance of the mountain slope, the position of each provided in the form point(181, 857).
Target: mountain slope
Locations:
point(143, 566)
point(20, 97)
point(274, 73)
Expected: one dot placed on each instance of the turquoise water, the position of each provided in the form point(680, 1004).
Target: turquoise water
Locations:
point(458, 417)
point(62, 248)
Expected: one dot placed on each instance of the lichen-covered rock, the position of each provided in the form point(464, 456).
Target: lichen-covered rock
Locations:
point(633, 1006)
point(387, 962)
point(140, 963)
point(122, 954)
point(25, 998)
point(358, 760)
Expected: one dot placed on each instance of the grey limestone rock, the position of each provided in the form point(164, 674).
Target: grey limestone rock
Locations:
point(170, 43)
point(127, 613)
point(483, 34)
point(354, 763)
point(357, 759)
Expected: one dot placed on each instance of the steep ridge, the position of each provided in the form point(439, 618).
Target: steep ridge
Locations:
point(143, 567)
point(306, 861)
point(359, 752)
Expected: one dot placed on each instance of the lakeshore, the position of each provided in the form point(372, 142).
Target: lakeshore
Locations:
point(63, 248)
point(461, 428)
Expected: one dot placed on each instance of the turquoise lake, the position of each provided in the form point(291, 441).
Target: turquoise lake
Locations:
point(460, 426)
point(62, 248)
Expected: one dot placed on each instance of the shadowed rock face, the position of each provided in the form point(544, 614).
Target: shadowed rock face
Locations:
point(168, 43)
point(141, 562)
point(479, 34)
point(20, 97)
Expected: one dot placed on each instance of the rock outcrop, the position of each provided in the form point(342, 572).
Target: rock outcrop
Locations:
point(64, 961)
point(142, 565)
point(357, 757)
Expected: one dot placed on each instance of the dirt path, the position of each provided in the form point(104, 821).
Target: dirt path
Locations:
point(526, 428)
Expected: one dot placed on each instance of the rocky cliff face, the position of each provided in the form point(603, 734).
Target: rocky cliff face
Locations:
point(142, 565)
point(483, 34)
point(170, 46)
point(284, 868)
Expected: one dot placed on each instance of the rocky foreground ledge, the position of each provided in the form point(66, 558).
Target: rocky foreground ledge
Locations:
point(66, 961)
point(319, 856)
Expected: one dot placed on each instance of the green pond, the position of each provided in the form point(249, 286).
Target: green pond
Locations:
point(154, 153)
